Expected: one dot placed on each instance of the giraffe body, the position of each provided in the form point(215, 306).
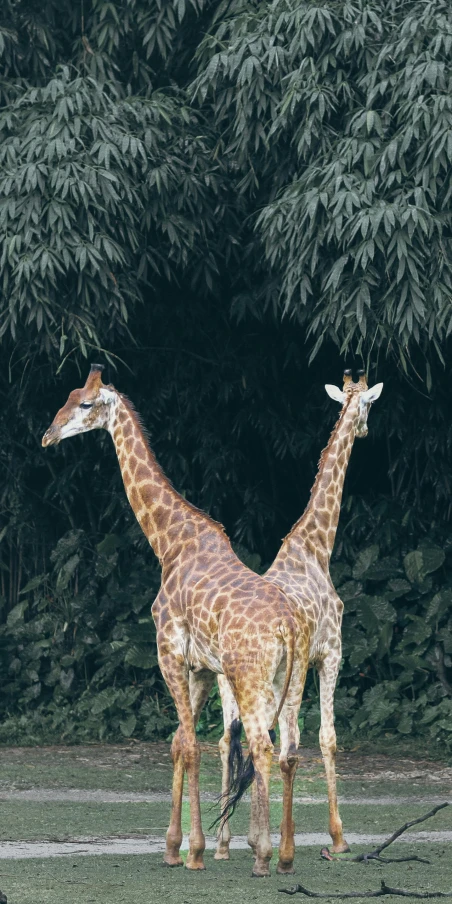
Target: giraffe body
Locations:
point(212, 615)
point(301, 569)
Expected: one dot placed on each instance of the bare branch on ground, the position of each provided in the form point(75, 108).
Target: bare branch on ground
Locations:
point(380, 893)
point(375, 855)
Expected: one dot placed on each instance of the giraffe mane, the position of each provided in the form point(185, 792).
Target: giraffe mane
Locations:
point(136, 417)
point(323, 456)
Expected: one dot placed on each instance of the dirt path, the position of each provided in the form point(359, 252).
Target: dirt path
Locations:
point(43, 795)
point(20, 850)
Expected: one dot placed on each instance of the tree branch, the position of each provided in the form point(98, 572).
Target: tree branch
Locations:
point(384, 890)
point(375, 855)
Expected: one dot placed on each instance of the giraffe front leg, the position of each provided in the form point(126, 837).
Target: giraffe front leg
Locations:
point(328, 675)
point(174, 834)
point(196, 840)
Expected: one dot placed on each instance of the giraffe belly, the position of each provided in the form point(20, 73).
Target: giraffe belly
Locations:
point(201, 656)
point(317, 652)
point(324, 643)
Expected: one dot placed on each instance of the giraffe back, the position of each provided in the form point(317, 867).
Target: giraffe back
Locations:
point(305, 582)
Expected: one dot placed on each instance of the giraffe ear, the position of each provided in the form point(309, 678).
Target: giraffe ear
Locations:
point(335, 393)
point(372, 394)
point(107, 394)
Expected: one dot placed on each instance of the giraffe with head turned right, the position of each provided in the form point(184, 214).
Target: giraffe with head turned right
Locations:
point(301, 569)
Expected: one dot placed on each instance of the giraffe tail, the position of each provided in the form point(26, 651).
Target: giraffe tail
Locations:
point(241, 774)
point(289, 638)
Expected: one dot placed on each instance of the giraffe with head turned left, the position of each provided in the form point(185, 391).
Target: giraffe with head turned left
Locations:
point(212, 614)
point(301, 569)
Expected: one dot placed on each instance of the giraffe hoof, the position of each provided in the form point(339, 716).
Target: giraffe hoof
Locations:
point(174, 861)
point(331, 855)
point(260, 872)
point(340, 848)
point(221, 855)
point(194, 864)
point(285, 869)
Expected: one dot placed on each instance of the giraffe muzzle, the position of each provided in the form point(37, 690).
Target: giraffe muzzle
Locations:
point(51, 436)
point(362, 431)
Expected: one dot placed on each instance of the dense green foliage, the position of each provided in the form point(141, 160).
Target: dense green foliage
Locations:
point(226, 202)
point(397, 633)
point(340, 117)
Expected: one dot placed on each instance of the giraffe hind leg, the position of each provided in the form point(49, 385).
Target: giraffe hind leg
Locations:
point(255, 769)
point(224, 831)
point(288, 763)
point(253, 831)
point(200, 685)
point(230, 715)
point(261, 753)
point(186, 751)
point(257, 706)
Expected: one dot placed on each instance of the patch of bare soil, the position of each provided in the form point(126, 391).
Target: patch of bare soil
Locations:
point(351, 765)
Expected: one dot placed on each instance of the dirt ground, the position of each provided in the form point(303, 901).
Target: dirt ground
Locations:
point(147, 767)
point(69, 816)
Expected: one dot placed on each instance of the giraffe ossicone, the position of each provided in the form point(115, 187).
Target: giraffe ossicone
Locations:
point(213, 616)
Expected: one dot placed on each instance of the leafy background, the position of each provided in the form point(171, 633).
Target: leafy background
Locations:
point(227, 203)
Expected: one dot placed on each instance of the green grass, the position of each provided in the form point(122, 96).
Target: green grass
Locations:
point(87, 768)
point(62, 821)
point(141, 879)
point(144, 880)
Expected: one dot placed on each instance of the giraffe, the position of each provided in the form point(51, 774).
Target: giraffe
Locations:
point(212, 614)
point(301, 569)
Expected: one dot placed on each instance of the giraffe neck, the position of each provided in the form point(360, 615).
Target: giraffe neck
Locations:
point(318, 524)
point(165, 517)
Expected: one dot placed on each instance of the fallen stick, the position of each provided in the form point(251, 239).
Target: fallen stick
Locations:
point(375, 855)
point(384, 890)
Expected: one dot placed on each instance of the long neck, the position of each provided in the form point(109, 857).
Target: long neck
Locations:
point(318, 524)
point(166, 519)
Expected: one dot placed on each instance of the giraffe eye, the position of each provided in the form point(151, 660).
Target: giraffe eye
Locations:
point(86, 404)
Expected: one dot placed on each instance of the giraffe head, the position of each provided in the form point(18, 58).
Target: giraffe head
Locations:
point(86, 409)
point(357, 394)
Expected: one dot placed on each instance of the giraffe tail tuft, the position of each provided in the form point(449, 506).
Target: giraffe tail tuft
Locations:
point(241, 775)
